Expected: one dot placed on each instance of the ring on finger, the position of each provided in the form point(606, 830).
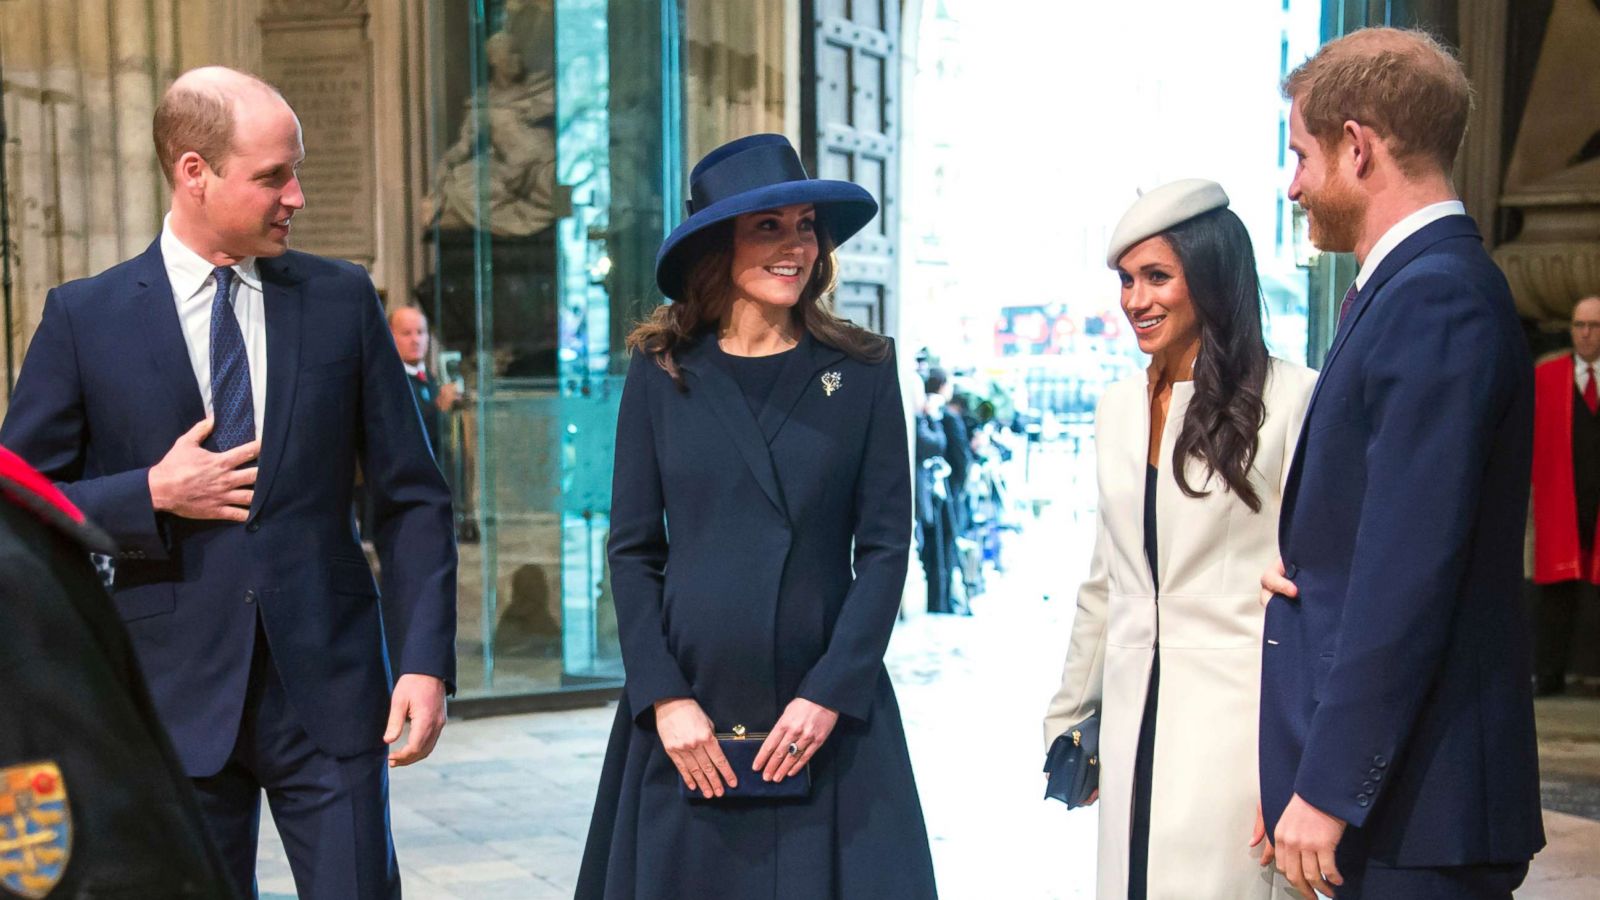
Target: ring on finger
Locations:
point(794, 749)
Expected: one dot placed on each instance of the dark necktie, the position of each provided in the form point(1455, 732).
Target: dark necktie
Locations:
point(231, 403)
point(1349, 298)
point(1591, 394)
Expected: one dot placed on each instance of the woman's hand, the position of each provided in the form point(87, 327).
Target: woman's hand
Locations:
point(690, 740)
point(1259, 835)
point(805, 725)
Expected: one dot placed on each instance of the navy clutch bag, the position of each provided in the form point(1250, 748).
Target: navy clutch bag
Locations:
point(740, 748)
point(1073, 764)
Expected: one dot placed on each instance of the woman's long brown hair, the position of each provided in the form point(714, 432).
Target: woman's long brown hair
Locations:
point(708, 290)
point(1221, 428)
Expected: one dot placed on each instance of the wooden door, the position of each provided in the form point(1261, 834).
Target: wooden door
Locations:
point(850, 130)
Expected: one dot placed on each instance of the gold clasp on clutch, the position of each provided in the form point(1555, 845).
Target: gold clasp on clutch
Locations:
point(1077, 739)
point(740, 733)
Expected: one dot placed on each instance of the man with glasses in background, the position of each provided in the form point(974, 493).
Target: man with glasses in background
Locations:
point(1566, 491)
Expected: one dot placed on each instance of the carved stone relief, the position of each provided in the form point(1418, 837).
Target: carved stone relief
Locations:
point(323, 67)
point(518, 158)
point(309, 8)
point(1553, 178)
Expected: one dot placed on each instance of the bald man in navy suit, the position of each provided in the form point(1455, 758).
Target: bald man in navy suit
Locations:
point(149, 394)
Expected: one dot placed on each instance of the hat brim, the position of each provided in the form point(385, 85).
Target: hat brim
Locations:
point(843, 208)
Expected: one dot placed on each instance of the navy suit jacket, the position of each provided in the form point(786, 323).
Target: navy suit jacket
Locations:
point(1395, 691)
point(106, 389)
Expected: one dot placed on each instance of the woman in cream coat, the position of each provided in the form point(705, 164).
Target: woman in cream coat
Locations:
point(1166, 643)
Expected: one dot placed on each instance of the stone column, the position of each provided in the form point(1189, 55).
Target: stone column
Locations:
point(397, 31)
point(82, 78)
point(736, 58)
point(1483, 52)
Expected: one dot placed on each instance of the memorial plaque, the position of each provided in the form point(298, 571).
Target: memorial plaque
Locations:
point(323, 66)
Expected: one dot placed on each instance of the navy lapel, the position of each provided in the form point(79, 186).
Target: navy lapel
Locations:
point(1398, 258)
point(1291, 484)
point(1402, 255)
point(799, 374)
point(281, 296)
point(725, 397)
point(157, 312)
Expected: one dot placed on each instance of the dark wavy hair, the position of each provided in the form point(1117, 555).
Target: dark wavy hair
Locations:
point(708, 291)
point(1221, 426)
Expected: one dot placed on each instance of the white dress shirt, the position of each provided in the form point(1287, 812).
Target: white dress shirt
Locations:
point(1581, 371)
point(1403, 229)
point(193, 289)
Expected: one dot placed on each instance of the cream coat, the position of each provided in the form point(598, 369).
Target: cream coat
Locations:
point(1211, 552)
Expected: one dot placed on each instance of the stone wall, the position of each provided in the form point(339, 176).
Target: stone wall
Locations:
point(81, 81)
point(81, 84)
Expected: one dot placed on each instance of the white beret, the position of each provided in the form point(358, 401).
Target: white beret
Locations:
point(1161, 208)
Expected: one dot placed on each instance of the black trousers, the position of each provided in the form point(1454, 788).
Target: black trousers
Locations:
point(1143, 778)
point(331, 812)
point(1555, 620)
point(1372, 880)
point(938, 553)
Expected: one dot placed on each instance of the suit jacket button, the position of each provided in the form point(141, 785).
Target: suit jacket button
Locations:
point(1363, 801)
point(1367, 786)
point(1374, 774)
point(253, 527)
point(1380, 762)
point(249, 596)
point(1290, 570)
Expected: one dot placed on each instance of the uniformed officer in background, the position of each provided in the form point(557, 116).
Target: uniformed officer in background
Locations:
point(92, 800)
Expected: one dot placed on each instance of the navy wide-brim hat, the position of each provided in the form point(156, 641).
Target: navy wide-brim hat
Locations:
point(753, 174)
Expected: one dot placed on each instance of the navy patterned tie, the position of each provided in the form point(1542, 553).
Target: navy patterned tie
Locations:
point(231, 403)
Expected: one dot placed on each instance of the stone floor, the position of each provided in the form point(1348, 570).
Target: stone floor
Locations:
point(502, 807)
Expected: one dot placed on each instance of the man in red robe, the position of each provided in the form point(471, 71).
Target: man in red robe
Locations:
point(1566, 490)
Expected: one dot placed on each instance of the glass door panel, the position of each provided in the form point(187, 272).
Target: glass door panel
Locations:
point(539, 211)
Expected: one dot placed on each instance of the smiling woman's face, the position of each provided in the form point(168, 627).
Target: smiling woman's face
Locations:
point(1155, 297)
point(774, 252)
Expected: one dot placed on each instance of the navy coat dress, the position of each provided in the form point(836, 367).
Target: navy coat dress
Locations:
point(790, 533)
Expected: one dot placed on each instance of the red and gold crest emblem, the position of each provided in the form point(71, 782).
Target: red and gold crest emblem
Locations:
point(35, 829)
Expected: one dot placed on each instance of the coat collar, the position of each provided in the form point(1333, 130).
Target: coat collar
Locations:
point(1402, 256)
point(188, 272)
point(753, 435)
point(1397, 259)
point(158, 315)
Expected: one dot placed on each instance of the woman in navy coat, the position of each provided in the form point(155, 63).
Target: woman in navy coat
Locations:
point(761, 518)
